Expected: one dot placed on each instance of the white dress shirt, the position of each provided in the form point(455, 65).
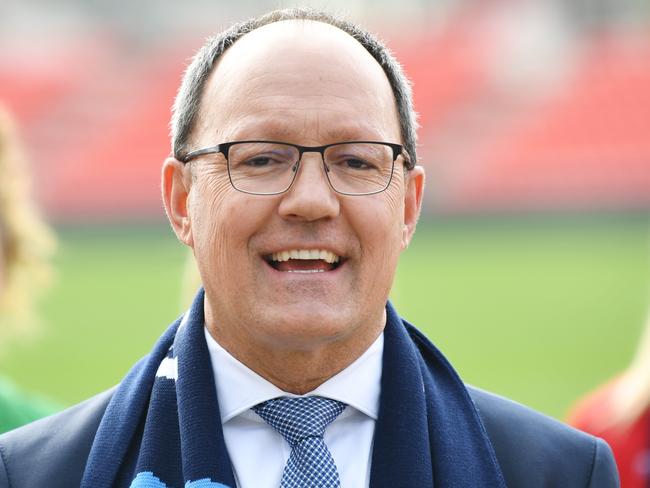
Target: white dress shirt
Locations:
point(259, 453)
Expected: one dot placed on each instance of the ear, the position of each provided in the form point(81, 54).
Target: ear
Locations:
point(176, 182)
point(414, 183)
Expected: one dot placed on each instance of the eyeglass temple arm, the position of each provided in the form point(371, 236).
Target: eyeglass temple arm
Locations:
point(200, 152)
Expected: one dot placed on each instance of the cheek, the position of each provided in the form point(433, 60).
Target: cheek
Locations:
point(210, 206)
point(223, 223)
point(380, 225)
point(395, 198)
point(380, 238)
point(390, 218)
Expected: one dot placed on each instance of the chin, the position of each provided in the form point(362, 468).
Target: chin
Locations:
point(309, 326)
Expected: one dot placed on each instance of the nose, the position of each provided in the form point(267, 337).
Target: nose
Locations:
point(310, 198)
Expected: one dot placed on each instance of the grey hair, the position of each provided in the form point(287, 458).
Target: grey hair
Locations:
point(187, 104)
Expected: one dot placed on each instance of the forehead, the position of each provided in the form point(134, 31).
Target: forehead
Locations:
point(298, 76)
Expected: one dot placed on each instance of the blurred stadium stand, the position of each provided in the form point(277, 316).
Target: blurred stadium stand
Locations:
point(539, 106)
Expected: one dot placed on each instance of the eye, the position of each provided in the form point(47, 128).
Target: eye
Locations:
point(356, 163)
point(355, 157)
point(260, 161)
point(266, 160)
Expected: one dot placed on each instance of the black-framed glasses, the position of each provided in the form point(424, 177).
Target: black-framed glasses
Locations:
point(270, 167)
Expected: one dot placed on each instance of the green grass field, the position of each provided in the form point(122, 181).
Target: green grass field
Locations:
point(539, 311)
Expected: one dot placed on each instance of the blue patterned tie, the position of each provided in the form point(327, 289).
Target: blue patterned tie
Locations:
point(302, 422)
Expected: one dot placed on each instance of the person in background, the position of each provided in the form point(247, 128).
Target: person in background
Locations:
point(26, 244)
point(619, 412)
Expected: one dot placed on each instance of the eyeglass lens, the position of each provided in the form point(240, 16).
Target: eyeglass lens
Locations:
point(356, 168)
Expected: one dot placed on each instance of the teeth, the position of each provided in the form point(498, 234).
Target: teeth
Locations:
point(326, 256)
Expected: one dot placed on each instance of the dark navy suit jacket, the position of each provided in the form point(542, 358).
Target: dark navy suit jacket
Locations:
point(534, 451)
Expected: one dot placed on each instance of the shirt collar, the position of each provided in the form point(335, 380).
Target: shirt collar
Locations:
point(239, 388)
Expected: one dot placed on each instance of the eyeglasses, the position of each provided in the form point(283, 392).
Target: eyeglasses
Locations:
point(270, 168)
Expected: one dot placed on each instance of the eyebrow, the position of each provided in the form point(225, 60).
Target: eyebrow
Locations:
point(274, 128)
point(355, 132)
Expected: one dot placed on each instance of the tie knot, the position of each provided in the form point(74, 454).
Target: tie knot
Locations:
point(299, 418)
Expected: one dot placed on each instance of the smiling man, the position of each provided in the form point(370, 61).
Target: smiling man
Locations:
point(294, 181)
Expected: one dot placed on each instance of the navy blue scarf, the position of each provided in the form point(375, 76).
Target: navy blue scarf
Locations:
point(162, 427)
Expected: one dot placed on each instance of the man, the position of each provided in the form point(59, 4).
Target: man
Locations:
point(294, 182)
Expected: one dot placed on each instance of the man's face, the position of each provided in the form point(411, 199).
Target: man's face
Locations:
point(311, 84)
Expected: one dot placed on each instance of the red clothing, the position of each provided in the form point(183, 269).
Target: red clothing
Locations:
point(631, 446)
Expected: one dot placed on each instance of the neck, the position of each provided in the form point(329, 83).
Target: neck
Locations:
point(295, 366)
point(297, 372)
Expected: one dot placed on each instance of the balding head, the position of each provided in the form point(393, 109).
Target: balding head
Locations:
point(282, 74)
point(188, 101)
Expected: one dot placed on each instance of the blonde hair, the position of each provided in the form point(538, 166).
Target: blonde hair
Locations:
point(26, 242)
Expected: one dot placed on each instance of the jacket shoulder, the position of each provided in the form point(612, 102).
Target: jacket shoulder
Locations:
point(536, 450)
point(52, 451)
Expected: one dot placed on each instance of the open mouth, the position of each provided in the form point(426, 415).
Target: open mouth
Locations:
point(304, 261)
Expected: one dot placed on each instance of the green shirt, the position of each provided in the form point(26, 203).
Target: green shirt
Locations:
point(18, 407)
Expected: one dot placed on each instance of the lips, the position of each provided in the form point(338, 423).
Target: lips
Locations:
point(304, 260)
